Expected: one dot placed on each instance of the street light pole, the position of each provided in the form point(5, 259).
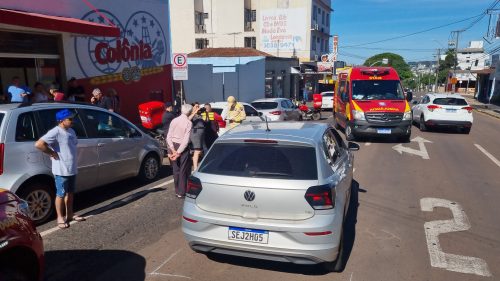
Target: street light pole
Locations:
point(437, 70)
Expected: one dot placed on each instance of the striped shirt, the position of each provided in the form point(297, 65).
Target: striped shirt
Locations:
point(179, 132)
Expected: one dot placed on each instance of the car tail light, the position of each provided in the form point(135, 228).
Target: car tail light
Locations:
point(432, 107)
point(189, 220)
point(275, 112)
point(193, 187)
point(318, 233)
point(260, 141)
point(2, 150)
point(468, 108)
point(321, 197)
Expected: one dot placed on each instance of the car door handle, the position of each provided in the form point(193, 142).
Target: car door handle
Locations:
point(100, 144)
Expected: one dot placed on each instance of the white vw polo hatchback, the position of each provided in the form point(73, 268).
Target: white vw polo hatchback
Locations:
point(278, 195)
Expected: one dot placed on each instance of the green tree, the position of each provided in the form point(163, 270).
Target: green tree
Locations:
point(395, 61)
point(446, 65)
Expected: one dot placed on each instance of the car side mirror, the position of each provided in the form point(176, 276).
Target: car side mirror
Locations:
point(414, 102)
point(352, 146)
point(260, 114)
point(409, 96)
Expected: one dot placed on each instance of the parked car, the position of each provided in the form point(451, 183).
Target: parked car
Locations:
point(327, 100)
point(220, 108)
point(278, 109)
point(279, 195)
point(21, 246)
point(443, 110)
point(110, 148)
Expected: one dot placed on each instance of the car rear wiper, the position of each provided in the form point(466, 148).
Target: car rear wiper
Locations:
point(252, 173)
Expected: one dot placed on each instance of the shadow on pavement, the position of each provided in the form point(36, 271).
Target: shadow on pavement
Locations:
point(441, 130)
point(349, 238)
point(95, 265)
point(101, 194)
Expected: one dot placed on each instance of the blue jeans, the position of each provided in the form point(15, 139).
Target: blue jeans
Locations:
point(65, 185)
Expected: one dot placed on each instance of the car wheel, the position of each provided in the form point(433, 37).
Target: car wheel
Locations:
point(466, 130)
point(316, 116)
point(40, 198)
point(337, 265)
point(348, 133)
point(405, 138)
point(422, 126)
point(150, 168)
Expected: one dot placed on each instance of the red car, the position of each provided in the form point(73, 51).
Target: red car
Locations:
point(21, 246)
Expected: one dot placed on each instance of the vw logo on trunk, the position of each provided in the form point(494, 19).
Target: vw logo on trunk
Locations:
point(249, 195)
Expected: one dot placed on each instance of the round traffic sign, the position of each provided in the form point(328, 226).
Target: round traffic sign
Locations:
point(180, 60)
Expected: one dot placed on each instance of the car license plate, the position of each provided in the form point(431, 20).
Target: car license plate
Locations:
point(248, 235)
point(384, 131)
point(451, 110)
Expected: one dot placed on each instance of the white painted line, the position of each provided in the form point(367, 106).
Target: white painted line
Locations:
point(354, 170)
point(350, 279)
point(422, 151)
point(165, 262)
point(488, 154)
point(368, 143)
point(460, 222)
point(169, 275)
point(56, 228)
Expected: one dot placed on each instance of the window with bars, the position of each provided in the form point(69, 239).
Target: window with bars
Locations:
point(251, 42)
point(201, 43)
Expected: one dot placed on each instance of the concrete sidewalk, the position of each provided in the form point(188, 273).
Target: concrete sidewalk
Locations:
point(489, 109)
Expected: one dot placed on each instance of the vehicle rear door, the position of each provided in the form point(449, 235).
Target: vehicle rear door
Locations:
point(117, 153)
point(87, 148)
point(269, 171)
point(451, 108)
point(327, 100)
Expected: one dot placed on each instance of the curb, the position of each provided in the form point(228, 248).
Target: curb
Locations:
point(488, 113)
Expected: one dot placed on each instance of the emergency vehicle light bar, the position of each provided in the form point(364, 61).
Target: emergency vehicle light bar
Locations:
point(375, 72)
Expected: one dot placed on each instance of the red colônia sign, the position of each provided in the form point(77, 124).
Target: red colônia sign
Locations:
point(104, 53)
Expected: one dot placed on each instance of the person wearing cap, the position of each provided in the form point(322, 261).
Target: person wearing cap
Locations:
point(75, 91)
point(167, 117)
point(60, 143)
point(235, 112)
point(56, 94)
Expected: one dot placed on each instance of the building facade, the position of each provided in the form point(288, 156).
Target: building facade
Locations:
point(124, 45)
point(282, 28)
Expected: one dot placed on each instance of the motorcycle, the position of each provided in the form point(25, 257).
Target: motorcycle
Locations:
point(310, 113)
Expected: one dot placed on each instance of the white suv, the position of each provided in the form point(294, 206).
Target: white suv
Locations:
point(110, 148)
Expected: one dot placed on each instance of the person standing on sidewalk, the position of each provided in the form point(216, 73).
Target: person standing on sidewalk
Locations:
point(177, 140)
point(61, 144)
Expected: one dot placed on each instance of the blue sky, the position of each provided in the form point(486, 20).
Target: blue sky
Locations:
point(363, 21)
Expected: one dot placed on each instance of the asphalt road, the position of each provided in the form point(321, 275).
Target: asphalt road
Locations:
point(133, 231)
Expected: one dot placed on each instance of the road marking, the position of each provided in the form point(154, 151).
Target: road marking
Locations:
point(169, 275)
point(110, 205)
point(165, 262)
point(488, 154)
point(422, 151)
point(368, 143)
point(460, 222)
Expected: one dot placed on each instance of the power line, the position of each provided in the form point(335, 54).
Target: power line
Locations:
point(395, 49)
point(411, 34)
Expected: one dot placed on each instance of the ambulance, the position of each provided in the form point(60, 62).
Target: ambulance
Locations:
point(370, 101)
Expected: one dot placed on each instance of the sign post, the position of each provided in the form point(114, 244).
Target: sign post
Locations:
point(180, 70)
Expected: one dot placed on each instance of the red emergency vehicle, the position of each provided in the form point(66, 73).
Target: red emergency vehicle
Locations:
point(369, 101)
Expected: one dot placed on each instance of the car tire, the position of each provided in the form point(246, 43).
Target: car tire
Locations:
point(13, 274)
point(405, 138)
point(349, 134)
point(316, 116)
point(40, 197)
point(337, 265)
point(150, 168)
point(466, 130)
point(421, 124)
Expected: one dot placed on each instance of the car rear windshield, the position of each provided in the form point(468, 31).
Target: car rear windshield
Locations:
point(265, 105)
point(450, 101)
point(377, 90)
point(261, 161)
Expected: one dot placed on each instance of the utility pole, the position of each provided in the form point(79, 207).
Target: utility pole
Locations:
point(437, 70)
point(455, 34)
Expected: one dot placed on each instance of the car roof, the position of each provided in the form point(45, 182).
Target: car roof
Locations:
point(9, 106)
point(219, 104)
point(270, 100)
point(445, 95)
point(304, 132)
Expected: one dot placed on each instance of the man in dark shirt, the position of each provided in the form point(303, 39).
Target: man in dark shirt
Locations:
point(100, 100)
point(168, 116)
point(75, 92)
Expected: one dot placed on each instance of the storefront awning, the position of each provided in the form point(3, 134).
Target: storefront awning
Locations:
point(61, 24)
